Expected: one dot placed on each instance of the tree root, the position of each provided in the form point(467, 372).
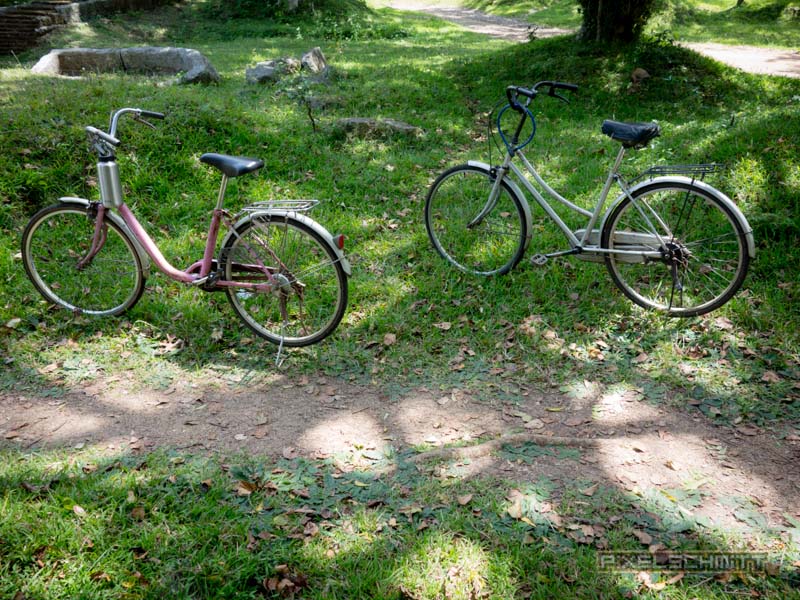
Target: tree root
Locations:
point(512, 438)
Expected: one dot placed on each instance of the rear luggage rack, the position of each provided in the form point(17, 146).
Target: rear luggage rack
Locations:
point(288, 205)
point(694, 171)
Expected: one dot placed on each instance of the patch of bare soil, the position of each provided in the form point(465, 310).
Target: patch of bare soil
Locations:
point(623, 440)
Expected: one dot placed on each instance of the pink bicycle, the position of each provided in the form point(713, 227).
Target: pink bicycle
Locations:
point(284, 274)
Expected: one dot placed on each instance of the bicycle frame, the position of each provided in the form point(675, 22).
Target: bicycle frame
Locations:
point(582, 240)
point(198, 272)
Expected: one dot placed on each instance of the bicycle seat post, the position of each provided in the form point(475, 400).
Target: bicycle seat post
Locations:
point(230, 166)
point(223, 186)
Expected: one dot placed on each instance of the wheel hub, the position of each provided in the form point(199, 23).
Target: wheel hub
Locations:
point(281, 284)
point(677, 254)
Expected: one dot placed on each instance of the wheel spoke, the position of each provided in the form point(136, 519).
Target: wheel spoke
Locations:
point(56, 245)
point(468, 230)
point(309, 292)
point(705, 256)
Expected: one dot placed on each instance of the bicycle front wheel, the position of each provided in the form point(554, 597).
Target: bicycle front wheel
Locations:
point(55, 244)
point(704, 257)
point(304, 296)
point(477, 243)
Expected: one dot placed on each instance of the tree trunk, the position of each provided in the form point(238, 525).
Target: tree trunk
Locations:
point(614, 20)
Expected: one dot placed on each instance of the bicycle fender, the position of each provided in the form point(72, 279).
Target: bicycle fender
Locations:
point(526, 209)
point(112, 216)
point(708, 189)
point(308, 221)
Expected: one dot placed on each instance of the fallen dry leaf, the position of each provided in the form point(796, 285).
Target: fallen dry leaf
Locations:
point(644, 537)
point(465, 499)
point(389, 339)
point(515, 510)
point(245, 488)
point(723, 323)
point(748, 430)
point(589, 491)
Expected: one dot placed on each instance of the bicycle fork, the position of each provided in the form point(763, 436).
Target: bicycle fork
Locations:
point(498, 173)
point(98, 211)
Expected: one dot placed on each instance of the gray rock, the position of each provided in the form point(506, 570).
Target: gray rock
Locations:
point(314, 61)
point(270, 71)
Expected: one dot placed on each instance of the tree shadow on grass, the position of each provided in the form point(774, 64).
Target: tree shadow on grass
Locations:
point(172, 524)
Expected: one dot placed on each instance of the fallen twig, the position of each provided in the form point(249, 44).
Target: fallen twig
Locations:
point(490, 446)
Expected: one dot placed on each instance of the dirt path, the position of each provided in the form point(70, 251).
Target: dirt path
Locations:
point(768, 61)
point(640, 446)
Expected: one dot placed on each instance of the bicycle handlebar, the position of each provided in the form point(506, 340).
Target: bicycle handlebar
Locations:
point(93, 131)
point(111, 136)
point(514, 91)
point(151, 114)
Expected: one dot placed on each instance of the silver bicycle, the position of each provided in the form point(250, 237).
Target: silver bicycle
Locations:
point(670, 241)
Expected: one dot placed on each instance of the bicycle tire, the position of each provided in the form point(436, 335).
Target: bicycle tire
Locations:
point(706, 251)
point(492, 247)
point(57, 238)
point(311, 299)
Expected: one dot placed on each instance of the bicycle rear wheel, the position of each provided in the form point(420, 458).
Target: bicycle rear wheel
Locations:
point(309, 297)
point(705, 259)
point(55, 241)
point(491, 246)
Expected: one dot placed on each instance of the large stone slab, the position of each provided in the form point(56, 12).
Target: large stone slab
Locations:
point(192, 65)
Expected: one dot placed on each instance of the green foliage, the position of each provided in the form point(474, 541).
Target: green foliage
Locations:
point(282, 9)
point(325, 19)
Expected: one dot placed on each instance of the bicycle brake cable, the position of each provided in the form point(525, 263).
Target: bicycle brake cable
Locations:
point(490, 136)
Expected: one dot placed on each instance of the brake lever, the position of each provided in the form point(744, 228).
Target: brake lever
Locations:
point(552, 93)
point(144, 122)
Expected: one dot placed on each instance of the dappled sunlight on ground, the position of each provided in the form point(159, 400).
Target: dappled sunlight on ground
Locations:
point(344, 433)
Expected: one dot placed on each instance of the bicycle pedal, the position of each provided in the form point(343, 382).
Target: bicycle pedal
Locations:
point(537, 260)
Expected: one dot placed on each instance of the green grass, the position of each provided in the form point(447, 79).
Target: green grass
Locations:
point(536, 328)
point(373, 191)
point(171, 525)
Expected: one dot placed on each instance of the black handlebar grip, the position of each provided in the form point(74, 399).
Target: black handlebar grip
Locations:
point(513, 91)
point(565, 86)
point(151, 114)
